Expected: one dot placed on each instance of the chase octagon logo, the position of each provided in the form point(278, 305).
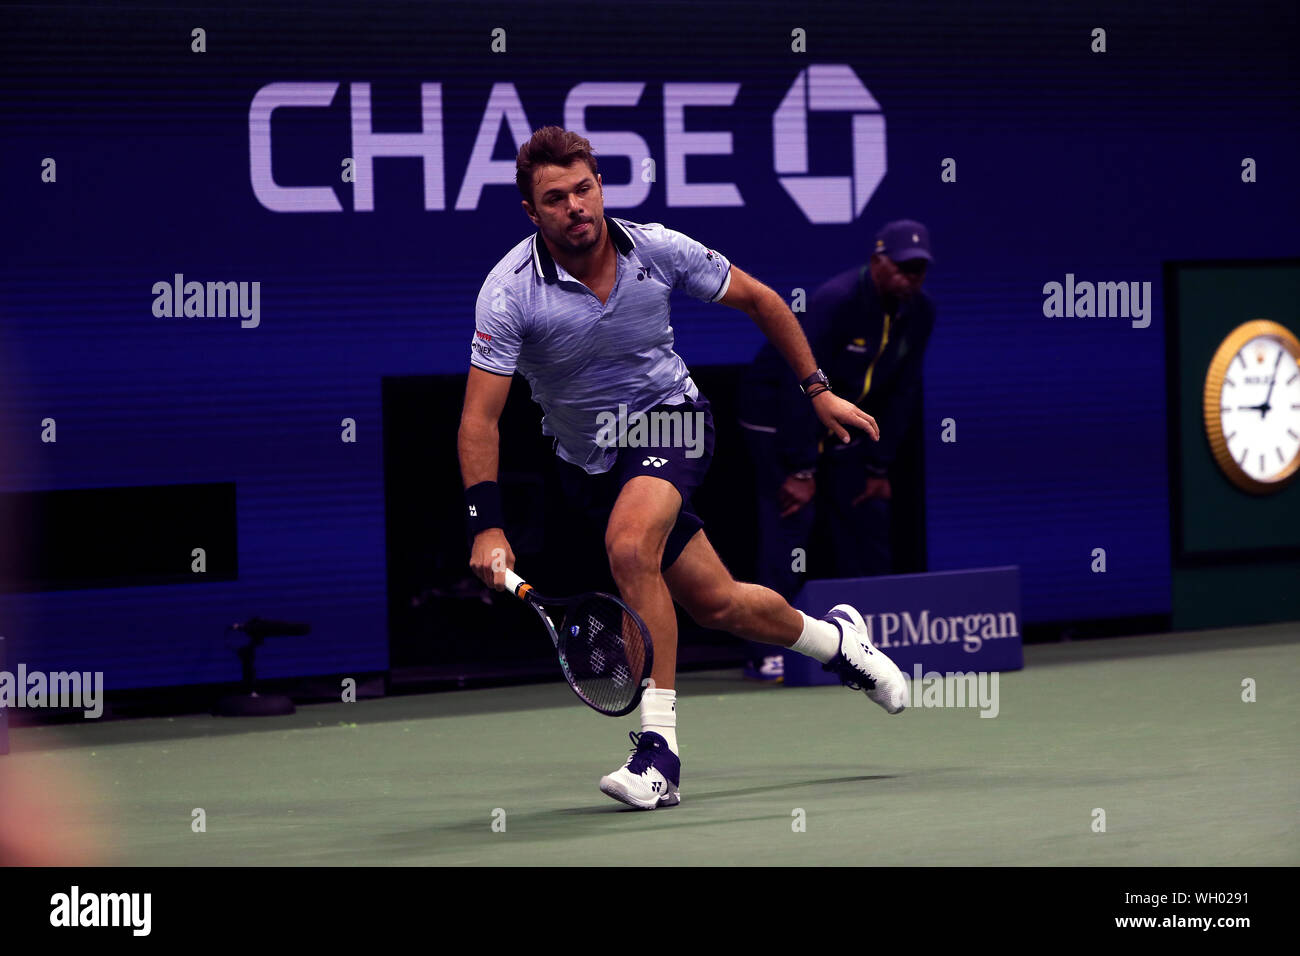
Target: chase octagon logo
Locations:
point(829, 88)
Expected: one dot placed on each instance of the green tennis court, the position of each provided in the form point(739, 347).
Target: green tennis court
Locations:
point(1151, 730)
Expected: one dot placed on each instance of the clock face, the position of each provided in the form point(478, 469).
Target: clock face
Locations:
point(1252, 406)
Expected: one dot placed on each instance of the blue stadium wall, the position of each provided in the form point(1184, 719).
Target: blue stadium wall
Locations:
point(1067, 161)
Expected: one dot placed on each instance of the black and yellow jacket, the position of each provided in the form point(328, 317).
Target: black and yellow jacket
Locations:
point(871, 357)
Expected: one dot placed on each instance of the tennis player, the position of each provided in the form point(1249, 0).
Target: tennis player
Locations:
point(581, 309)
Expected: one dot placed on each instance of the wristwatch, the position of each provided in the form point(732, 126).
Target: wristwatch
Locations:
point(815, 379)
point(804, 474)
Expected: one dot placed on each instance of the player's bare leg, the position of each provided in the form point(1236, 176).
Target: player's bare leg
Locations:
point(635, 537)
point(701, 584)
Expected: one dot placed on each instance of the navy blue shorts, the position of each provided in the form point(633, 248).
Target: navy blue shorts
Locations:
point(593, 496)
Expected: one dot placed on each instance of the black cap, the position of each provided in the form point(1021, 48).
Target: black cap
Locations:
point(904, 239)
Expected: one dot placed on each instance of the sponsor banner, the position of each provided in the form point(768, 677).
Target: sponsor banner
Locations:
point(833, 88)
point(944, 622)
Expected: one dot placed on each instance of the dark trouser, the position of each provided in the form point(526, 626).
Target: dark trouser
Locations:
point(777, 537)
point(858, 535)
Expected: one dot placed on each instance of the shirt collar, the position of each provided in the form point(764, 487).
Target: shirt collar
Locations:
point(544, 264)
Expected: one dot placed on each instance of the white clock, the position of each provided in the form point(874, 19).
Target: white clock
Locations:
point(1252, 406)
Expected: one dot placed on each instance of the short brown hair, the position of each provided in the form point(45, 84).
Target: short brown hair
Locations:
point(550, 146)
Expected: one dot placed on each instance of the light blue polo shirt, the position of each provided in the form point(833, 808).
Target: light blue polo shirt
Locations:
point(583, 358)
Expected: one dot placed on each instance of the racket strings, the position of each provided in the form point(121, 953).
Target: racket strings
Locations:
point(606, 652)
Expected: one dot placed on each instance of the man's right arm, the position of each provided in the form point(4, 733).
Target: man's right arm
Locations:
point(477, 440)
point(478, 444)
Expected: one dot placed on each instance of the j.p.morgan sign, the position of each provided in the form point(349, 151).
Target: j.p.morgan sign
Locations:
point(947, 621)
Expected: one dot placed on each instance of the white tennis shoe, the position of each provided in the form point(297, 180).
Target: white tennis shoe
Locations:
point(650, 777)
point(861, 665)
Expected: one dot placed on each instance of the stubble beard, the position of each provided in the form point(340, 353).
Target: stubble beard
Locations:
point(592, 240)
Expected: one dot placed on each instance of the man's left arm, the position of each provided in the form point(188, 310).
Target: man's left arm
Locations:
point(773, 317)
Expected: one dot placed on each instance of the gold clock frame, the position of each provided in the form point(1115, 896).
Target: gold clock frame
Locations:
point(1213, 394)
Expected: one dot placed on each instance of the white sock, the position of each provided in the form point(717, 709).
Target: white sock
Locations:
point(819, 640)
point(659, 714)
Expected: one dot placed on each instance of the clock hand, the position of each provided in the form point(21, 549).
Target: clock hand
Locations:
point(1265, 406)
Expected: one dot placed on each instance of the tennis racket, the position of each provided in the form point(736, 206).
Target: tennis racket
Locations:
point(604, 646)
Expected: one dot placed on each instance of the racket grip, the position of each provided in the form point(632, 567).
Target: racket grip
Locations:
point(514, 582)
